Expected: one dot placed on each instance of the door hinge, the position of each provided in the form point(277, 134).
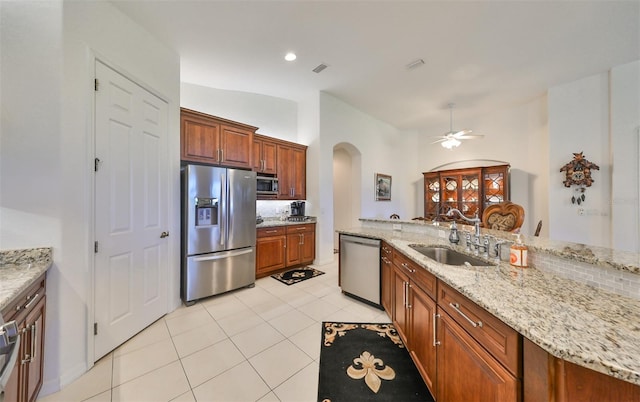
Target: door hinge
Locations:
point(95, 246)
point(95, 84)
point(95, 328)
point(96, 163)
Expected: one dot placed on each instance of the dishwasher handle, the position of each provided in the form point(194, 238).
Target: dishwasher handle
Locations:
point(360, 240)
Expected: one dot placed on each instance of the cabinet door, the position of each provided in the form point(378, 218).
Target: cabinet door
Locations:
point(236, 147)
point(466, 372)
point(299, 182)
point(294, 256)
point(200, 140)
point(285, 172)
point(256, 155)
point(34, 343)
point(400, 302)
point(431, 195)
point(495, 183)
point(422, 335)
point(269, 157)
point(387, 278)
point(270, 254)
point(308, 247)
point(14, 390)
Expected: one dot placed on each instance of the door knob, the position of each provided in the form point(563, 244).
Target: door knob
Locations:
point(164, 234)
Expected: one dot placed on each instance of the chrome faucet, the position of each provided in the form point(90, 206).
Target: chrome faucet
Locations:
point(475, 220)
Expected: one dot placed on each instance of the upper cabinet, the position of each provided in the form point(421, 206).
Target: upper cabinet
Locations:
point(468, 190)
point(264, 155)
point(212, 140)
point(292, 171)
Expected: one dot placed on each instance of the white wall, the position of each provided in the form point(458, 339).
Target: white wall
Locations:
point(275, 117)
point(579, 122)
point(48, 51)
point(625, 130)
point(517, 135)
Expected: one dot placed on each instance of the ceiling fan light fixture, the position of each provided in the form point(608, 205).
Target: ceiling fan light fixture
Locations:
point(450, 143)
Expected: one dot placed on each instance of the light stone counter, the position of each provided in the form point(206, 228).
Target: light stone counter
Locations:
point(19, 269)
point(272, 222)
point(572, 321)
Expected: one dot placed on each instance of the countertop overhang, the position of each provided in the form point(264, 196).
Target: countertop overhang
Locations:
point(572, 321)
point(19, 269)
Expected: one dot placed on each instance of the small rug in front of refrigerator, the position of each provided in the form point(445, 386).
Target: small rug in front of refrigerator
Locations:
point(297, 275)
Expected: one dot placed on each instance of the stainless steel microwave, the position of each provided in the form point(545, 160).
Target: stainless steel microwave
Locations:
point(267, 185)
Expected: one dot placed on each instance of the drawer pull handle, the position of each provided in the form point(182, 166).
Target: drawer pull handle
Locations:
point(270, 231)
point(435, 341)
point(405, 266)
point(34, 298)
point(456, 307)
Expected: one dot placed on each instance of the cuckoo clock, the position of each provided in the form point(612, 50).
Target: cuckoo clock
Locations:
point(578, 173)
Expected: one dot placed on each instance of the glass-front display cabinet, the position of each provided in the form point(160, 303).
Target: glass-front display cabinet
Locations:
point(469, 190)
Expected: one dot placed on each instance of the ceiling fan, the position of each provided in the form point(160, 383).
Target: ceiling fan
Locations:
point(453, 138)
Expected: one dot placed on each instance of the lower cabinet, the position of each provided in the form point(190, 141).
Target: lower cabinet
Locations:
point(28, 310)
point(280, 247)
point(466, 371)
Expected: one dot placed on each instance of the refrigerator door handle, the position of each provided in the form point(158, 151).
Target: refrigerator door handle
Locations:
point(224, 255)
point(222, 211)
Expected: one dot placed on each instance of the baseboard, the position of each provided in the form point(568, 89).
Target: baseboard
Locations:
point(54, 385)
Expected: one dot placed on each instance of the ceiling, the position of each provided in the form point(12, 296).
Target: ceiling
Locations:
point(482, 55)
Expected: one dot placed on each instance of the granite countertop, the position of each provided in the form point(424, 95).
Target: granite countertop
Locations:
point(271, 222)
point(572, 321)
point(19, 269)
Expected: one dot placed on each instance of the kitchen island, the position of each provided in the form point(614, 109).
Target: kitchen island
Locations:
point(570, 320)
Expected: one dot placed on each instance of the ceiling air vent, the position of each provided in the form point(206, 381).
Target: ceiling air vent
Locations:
point(319, 68)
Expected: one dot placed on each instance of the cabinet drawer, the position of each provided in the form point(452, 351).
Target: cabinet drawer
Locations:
point(26, 299)
point(419, 275)
point(502, 341)
point(309, 227)
point(271, 231)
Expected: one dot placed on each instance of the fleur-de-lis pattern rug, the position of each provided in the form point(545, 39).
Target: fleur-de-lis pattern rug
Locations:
point(297, 275)
point(367, 362)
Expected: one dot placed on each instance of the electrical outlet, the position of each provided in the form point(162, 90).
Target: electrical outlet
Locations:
point(581, 211)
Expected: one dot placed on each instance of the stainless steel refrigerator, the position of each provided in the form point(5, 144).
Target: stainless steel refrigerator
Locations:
point(218, 230)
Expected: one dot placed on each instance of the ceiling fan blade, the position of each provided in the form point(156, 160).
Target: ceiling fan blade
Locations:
point(440, 140)
point(470, 137)
point(460, 133)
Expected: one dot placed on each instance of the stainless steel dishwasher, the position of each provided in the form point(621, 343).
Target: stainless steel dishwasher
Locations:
point(360, 268)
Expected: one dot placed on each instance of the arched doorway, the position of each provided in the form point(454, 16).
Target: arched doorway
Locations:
point(347, 180)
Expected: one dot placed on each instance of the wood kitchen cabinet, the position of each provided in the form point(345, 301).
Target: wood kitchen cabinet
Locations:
point(386, 266)
point(292, 171)
point(215, 141)
point(271, 247)
point(414, 314)
point(477, 350)
point(28, 310)
point(280, 247)
point(469, 190)
point(264, 155)
point(301, 244)
point(548, 378)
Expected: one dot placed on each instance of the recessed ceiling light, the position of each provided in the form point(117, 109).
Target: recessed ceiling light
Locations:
point(290, 56)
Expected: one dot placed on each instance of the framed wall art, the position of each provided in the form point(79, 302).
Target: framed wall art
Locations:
point(383, 187)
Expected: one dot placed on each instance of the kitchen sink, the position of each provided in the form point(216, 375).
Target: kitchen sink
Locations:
point(448, 256)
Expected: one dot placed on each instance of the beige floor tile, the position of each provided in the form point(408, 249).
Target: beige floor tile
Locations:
point(182, 309)
point(240, 322)
point(363, 311)
point(226, 308)
point(279, 362)
point(318, 309)
point(302, 387)
point(208, 363)
point(256, 296)
point(103, 397)
point(188, 321)
point(320, 289)
point(186, 397)
point(308, 340)
point(272, 309)
point(337, 298)
point(163, 384)
point(241, 384)
point(256, 339)
point(197, 339)
point(134, 364)
point(156, 332)
point(270, 397)
point(291, 323)
point(95, 381)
